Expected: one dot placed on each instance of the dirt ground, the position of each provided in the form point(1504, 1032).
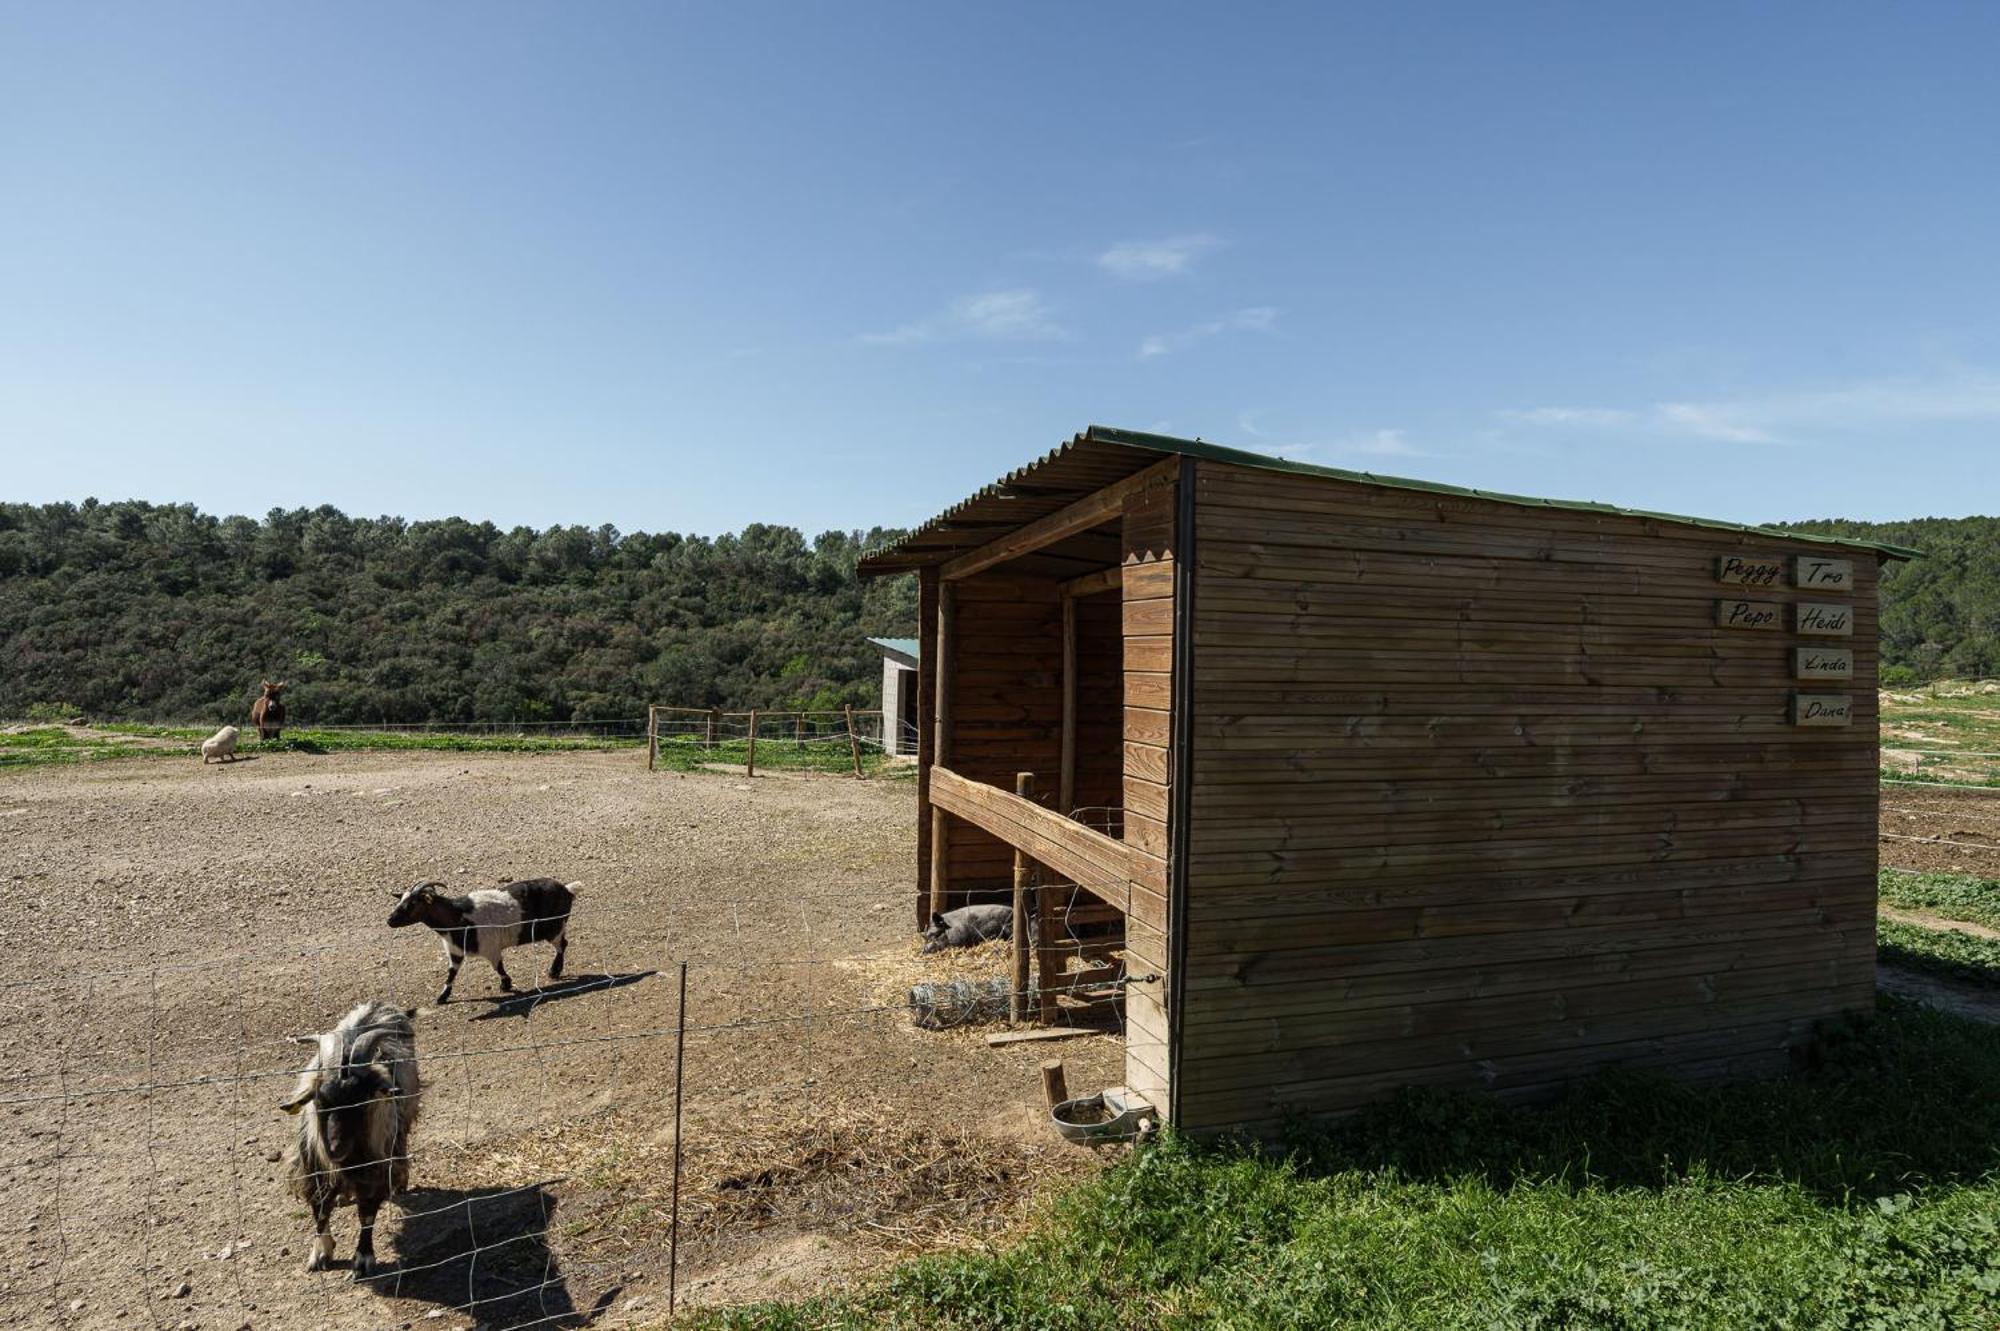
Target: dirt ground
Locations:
point(1941, 831)
point(169, 927)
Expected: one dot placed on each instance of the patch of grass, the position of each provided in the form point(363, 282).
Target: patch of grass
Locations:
point(1942, 952)
point(1863, 1192)
point(1957, 717)
point(44, 745)
point(1954, 896)
point(356, 741)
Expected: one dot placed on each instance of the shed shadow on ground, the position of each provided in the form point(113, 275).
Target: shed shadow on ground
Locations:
point(1902, 1100)
point(484, 1254)
point(522, 1003)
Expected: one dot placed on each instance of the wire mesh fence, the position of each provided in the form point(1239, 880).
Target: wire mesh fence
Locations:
point(847, 740)
point(145, 1155)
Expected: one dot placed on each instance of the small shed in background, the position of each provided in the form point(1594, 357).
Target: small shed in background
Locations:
point(1395, 783)
point(899, 695)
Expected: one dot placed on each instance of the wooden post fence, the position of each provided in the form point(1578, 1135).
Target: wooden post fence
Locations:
point(799, 731)
point(652, 738)
point(714, 720)
point(1024, 786)
point(853, 741)
point(750, 762)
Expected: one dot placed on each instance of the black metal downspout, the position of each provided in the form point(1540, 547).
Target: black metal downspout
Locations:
point(1180, 794)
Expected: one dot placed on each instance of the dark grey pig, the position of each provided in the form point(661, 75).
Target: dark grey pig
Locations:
point(968, 926)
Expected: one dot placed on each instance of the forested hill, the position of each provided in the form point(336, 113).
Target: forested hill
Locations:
point(140, 611)
point(1940, 614)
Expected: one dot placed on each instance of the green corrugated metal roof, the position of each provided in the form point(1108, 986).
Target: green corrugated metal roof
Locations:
point(916, 547)
point(901, 646)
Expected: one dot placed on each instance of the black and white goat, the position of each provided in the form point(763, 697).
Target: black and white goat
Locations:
point(356, 1102)
point(486, 923)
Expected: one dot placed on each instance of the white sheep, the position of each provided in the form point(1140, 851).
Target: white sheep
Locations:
point(222, 744)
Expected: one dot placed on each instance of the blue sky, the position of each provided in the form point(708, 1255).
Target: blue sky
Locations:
point(678, 267)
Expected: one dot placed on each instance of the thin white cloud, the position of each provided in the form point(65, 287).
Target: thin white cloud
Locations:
point(1016, 315)
point(1148, 260)
point(1569, 416)
point(1362, 444)
point(1778, 418)
point(1255, 319)
point(1710, 421)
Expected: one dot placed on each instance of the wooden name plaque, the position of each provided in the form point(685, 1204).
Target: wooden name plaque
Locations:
point(1749, 615)
point(1748, 570)
point(1822, 709)
point(1819, 620)
point(1822, 663)
point(1833, 575)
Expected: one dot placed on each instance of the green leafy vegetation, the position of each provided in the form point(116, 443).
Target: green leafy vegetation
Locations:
point(1946, 953)
point(1862, 1192)
point(161, 612)
point(1941, 613)
point(1954, 896)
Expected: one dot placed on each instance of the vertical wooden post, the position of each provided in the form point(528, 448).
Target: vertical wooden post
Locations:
point(1055, 1085)
point(1024, 786)
point(652, 737)
point(927, 595)
point(853, 742)
point(1051, 962)
point(799, 731)
point(750, 760)
point(941, 747)
point(1066, 778)
point(714, 719)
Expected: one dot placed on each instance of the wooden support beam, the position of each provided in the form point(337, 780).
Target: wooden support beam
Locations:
point(1085, 513)
point(652, 738)
point(750, 759)
point(1066, 773)
point(927, 597)
point(1024, 786)
point(941, 692)
point(1104, 580)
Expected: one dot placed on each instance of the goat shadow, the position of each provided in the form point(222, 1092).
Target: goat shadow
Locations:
point(484, 1254)
point(522, 1003)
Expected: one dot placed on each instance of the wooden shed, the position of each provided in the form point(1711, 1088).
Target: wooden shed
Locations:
point(1394, 783)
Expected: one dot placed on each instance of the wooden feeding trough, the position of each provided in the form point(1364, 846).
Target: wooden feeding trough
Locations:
point(1340, 782)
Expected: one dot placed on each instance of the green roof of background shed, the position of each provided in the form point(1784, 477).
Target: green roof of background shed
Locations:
point(1102, 455)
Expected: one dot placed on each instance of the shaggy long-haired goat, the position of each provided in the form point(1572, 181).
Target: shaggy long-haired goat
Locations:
point(488, 922)
point(356, 1104)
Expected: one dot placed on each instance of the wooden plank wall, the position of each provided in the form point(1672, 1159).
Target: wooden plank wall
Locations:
point(1483, 797)
point(1100, 702)
point(1148, 607)
point(1006, 711)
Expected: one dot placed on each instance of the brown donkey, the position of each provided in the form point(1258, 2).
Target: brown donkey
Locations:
point(267, 713)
